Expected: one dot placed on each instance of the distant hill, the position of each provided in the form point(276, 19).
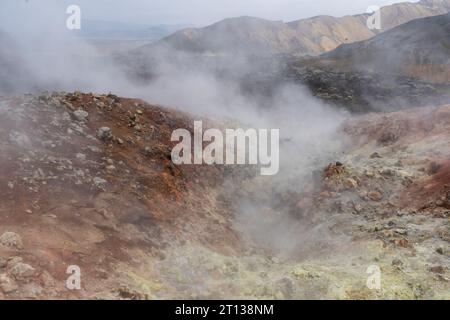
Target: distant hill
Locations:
point(420, 47)
point(96, 29)
point(310, 36)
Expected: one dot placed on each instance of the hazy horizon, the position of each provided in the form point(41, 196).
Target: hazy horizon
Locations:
point(180, 12)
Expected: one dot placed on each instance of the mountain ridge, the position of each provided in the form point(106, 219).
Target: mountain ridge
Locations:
point(310, 36)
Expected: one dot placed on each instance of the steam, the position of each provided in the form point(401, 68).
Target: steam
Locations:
point(54, 58)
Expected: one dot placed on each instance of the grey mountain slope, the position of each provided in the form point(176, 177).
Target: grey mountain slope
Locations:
point(406, 66)
point(419, 43)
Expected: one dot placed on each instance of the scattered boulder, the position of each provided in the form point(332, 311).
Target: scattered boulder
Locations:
point(357, 208)
point(99, 182)
point(434, 168)
point(437, 269)
point(375, 196)
point(334, 169)
point(401, 231)
point(81, 156)
point(399, 163)
point(12, 261)
point(22, 271)
point(7, 285)
point(387, 172)
point(375, 155)
point(397, 262)
point(80, 115)
point(3, 262)
point(126, 293)
point(11, 240)
point(104, 133)
point(350, 183)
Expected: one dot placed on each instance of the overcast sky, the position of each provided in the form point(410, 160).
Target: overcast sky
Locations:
point(195, 12)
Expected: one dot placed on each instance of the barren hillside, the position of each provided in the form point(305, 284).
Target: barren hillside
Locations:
point(310, 36)
point(418, 48)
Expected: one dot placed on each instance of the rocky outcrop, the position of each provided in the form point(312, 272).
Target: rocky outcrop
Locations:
point(361, 92)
